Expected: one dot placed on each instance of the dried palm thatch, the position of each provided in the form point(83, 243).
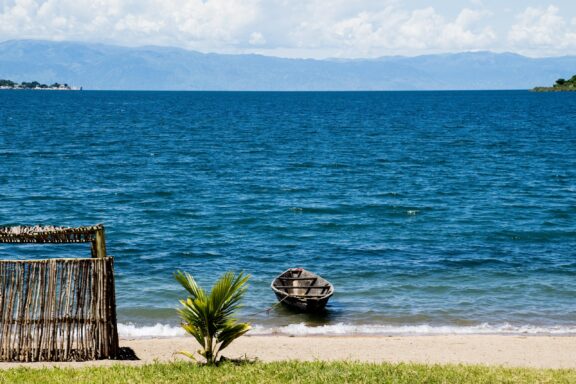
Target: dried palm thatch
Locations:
point(57, 309)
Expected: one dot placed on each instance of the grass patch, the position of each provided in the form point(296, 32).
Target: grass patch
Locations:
point(288, 372)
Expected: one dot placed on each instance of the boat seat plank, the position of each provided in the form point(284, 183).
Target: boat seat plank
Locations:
point(294, 287)
point(298, 278)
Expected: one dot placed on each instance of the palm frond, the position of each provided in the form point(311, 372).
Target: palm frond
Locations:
point(188, 282)
point(187, 354)
point(231, 333)
point(209, 317)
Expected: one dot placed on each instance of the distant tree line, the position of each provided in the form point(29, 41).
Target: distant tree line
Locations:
point(563, 83)
point(31, 85)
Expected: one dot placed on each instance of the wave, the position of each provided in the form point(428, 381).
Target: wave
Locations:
point(164, 330)
point(129, 331)
point(302, 329)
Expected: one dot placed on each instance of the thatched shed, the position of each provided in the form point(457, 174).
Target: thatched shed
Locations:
point(57, 309)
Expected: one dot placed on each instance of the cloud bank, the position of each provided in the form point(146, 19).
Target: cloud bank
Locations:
point(312, 28)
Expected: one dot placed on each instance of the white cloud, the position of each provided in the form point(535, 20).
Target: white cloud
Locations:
point(543, 28)
point(464, 32)
point(314, 28)
point(256, 38)
point(187, 23)
point(395, 29)
point(536, 26)
point(140, 24)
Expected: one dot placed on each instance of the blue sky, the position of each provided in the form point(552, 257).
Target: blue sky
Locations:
point(298, 28)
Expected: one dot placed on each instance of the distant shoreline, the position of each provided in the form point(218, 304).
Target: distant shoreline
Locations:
point(286, 91)
point(553, 89)
point(561, 85)
point(35, 86)
point(40, 89)
point(37, 89)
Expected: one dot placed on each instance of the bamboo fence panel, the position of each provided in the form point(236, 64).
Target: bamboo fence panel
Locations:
point(57, 310)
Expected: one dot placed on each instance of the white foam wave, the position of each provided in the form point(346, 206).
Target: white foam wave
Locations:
point(301, 329)
point(129, 331)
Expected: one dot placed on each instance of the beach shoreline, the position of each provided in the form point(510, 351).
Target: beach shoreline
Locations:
point(492, 350)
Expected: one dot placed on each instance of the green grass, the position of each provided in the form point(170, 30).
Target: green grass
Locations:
point(288, 372)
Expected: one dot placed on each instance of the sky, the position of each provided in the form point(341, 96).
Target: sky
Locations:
point(299, 28)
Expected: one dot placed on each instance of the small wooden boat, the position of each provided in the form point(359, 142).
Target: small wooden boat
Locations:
point(302, 290)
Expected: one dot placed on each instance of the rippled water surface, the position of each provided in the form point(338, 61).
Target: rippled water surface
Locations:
point(427, 211)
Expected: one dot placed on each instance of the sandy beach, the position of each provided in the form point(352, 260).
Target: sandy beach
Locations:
point(509, 351)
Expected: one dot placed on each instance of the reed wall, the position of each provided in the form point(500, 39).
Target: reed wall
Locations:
point(57, 310)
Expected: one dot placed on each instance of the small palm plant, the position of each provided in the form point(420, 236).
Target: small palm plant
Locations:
point(209, 317)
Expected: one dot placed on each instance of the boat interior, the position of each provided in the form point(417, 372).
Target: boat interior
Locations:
point(301, 283)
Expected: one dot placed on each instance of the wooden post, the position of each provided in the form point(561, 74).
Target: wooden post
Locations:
point(100, 243)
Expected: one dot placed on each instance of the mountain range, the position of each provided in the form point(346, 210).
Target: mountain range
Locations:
point(110, 67)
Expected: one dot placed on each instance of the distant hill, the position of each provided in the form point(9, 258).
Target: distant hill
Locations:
point(98, 66)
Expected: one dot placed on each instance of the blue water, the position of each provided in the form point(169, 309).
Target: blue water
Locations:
point(427, 210)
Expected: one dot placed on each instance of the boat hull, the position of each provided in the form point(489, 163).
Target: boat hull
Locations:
point(302, 290)
point(303, 305)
